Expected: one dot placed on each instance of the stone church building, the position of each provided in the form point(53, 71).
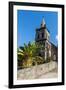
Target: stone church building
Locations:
point(42, 37)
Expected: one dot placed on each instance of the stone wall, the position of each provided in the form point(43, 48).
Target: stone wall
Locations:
point(54, 52)
point(36, 71)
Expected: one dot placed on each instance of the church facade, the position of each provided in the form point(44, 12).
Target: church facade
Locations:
point(42, 37)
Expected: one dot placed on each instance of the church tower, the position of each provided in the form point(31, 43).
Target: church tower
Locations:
point(42, 37)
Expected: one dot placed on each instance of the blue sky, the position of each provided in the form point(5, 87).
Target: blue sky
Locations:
point(29, 20)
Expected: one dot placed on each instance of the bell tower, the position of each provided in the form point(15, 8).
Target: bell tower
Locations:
point(42, 37)
point(42, 33)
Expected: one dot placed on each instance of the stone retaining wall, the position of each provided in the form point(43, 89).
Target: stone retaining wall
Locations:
point(35, 71)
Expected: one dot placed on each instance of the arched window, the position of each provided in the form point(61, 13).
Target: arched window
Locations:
point(42, 35)
point(38, 36)
point(54, 57)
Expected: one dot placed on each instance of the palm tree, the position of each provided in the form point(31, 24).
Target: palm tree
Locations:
point(24, 55)
point(28, 55)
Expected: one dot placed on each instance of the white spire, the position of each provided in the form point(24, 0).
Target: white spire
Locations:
point(43, 22)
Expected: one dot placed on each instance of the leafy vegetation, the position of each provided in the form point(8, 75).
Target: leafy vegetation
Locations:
point(28, 55)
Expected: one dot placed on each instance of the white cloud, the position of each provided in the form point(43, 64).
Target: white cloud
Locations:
point(57, 37)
